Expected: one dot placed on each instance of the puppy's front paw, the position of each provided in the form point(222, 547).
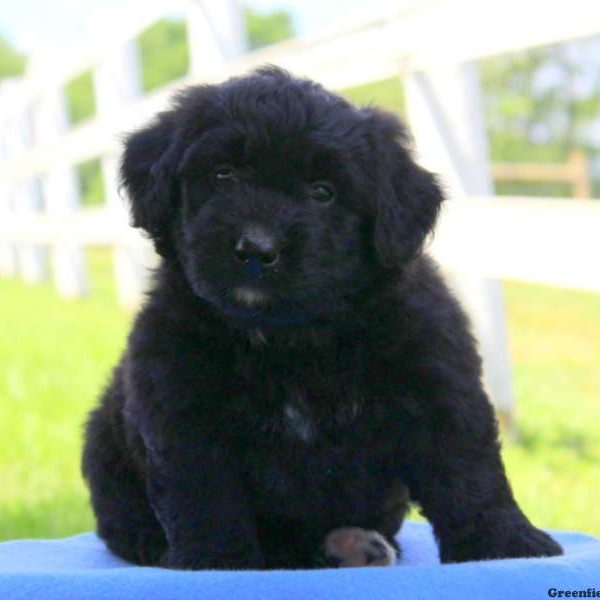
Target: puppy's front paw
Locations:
point(143, 548)
point(527, 542)
point(356, 547)
point(512, 537)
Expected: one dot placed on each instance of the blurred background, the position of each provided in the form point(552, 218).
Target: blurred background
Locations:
point(503, 100)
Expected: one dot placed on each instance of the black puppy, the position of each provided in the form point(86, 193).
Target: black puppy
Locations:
point(299, 370)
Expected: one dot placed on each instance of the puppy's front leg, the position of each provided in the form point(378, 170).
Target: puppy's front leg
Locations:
point(173, 409)
point(203, 506)
point(456, 474)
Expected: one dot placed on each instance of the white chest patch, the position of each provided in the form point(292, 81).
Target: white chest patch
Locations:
point(298, 423)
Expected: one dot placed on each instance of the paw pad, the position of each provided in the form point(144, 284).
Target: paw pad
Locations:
point(355, 547)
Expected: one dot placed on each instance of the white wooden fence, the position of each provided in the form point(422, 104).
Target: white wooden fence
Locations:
point(432, 44)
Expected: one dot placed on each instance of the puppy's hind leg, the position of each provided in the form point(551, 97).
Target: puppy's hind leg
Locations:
point(124, 517)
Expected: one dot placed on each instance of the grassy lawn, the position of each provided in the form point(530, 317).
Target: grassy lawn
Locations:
point(56, 355)
point(555, 345)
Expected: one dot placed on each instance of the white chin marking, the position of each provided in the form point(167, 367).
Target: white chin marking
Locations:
point(249, 297)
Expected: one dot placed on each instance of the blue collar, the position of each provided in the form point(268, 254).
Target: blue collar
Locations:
point(252, 319)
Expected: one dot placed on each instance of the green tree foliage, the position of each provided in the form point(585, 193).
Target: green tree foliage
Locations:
point(540, 105)
point(264, 29)
point(388, 93)
point(91, 184)
point(165, 56)
point(12, 63)
point(81, 100)
point(81, 105)
point(164, 53)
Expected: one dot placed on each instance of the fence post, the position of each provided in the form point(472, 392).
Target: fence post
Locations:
point(33, 258)
point(216, 32)
point(8, 251)
point(22, 196)
point(61, 195)
point(117, 82)
point(446, 115)
point(578, 165)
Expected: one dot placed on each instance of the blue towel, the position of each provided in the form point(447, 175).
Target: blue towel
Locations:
point(81, 568)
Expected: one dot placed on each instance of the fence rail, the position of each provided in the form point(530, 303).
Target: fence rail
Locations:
point(575, 172)
point(547, 241)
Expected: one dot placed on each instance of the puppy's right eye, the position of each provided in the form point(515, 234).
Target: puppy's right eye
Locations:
point(322, 192)
point(224, 173)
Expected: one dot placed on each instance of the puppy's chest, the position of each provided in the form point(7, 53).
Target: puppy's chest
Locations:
point(303, 434)
point(298, 416)
point(298, 393)
point(301, 459)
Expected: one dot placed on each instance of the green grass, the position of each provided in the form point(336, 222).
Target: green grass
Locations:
point(56, 355)
point(555, 345)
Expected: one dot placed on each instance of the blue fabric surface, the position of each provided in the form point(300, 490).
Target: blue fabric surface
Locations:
point(80, 568)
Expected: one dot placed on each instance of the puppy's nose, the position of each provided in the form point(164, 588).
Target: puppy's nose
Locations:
point(256, 243)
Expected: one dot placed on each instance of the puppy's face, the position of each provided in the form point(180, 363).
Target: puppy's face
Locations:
point(279, 200)
point(272, 216)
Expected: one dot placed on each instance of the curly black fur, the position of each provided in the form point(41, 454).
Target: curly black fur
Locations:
point(299, 364)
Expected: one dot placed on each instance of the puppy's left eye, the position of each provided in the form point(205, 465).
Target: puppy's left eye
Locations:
point(322, 192)
point(224, 173)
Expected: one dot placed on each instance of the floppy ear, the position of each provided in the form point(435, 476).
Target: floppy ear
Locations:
point(147, 173)
point(408, 197)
